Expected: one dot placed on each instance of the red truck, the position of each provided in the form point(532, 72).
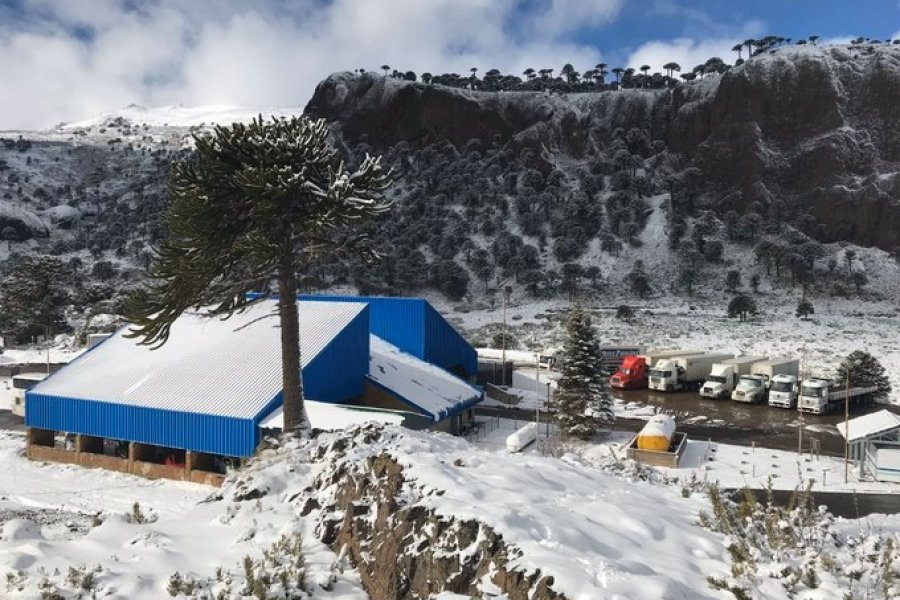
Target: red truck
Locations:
point(632, 373)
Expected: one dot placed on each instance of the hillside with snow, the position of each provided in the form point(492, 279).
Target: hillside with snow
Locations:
point(391, 514)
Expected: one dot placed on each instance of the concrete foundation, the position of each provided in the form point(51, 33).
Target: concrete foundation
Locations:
point(667, 458)
point(88, 453)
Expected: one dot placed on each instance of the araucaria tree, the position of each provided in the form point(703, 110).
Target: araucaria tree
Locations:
point(583, 404)
point(864, 371)
point(249, 211)
point(33, 297)
point(741, 306)
point(805, 308)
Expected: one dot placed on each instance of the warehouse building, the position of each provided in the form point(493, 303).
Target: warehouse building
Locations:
point(208, 396)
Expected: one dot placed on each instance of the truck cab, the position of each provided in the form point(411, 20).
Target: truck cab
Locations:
point(631, 374)
point(719, 383)
point(814, 396)
point(664, 375)
point(20, 384)
point(783, 391)
point(750, 389)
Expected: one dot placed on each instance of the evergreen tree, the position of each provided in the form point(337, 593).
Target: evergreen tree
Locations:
point(249, 211)
point(33, 297)
point(638, 280)
point(754, 283)
point(583, 404)
point(805, 308)
point(865, 371)
point(732, 280)
point(741, 306)
point(625, 313)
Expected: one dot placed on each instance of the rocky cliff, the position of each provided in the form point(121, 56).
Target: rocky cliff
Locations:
point(817, 129)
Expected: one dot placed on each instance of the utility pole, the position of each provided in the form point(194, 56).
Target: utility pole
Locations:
point(847, 425)
point(800, 424)
point(537, 393)
point(503, 351)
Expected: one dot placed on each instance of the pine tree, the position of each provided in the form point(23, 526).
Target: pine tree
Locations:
point(865, 371)
point(741, 306)
point(638, 280)
point(33, 297)
point(583, 404)
point(732, 280)
point(805, 308)
point(249, 211)
point(754, 283)
point(625, 313)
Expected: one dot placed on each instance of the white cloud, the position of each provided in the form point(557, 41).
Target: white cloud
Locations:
point(74, 59)
point(689, 52)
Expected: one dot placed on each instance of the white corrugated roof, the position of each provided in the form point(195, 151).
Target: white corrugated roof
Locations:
point(209, 366)
point(328, 417)
point(869, 425)
point(426, 385)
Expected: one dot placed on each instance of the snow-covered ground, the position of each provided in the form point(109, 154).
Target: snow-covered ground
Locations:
point(53, 517)
point(599, 534)
point(730, 465)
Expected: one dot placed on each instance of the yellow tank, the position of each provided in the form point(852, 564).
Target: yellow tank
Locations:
point(657, 434)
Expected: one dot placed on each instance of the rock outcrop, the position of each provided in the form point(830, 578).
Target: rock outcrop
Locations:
point(817, 128)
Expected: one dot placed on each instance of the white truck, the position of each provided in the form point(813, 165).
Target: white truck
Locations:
point(783, 391)
point(819, 396)
point(767, 369)
point(20, 384)
point(750, 389)
point(683, 372)
point(723, 376)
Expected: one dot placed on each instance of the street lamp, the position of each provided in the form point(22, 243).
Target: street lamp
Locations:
point(46, 340)
point(506, 291)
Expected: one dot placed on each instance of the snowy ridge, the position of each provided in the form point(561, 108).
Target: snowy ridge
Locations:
point(182, 116)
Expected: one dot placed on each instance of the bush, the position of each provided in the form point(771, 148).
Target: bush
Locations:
point(741, 306)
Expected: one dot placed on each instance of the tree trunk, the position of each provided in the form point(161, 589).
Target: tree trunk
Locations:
point(292, 377)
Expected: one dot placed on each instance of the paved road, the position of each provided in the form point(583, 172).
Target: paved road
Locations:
point(11, 422)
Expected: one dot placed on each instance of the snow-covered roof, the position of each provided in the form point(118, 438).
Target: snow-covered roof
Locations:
point(425, 386)
point(869, 425)
point(209, 366)
point(328, 417)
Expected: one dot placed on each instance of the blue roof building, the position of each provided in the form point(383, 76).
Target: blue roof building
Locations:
point(216, 384)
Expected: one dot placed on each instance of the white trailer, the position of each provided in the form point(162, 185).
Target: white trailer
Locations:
point(819, 396)
point(767, 369)
point(683, 372)
point(20, 384)
point(723, 376)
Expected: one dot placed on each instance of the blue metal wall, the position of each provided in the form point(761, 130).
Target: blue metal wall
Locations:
point(339, 371)
point(444, 345)
point(189, 431)
point(400, 321)
point(336, 374)
point(414, 326)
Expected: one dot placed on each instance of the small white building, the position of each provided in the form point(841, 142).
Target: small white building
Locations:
point(874, 441)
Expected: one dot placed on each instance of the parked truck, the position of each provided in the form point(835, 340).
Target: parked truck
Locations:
point(820, 396)
point(723, 376)
point(767, 369)
point(633, 370)
point(754, 388)
point(783, 390)
point(683, 372)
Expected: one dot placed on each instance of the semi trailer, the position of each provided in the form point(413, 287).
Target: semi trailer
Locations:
point(723, 376)
point(767, 369)
point(633, 370)
point(683, 372)
point(820, 396)
point(754, 388)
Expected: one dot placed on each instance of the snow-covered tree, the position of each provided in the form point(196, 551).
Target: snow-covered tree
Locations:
point(865, 371)
point(33, 296)
point(250, 211)
point(805, 308)
point(638, 280)
point(741, 306)
point(625, 312)
point(583, 404)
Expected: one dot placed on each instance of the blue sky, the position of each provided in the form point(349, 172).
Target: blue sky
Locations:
point(63, 60)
